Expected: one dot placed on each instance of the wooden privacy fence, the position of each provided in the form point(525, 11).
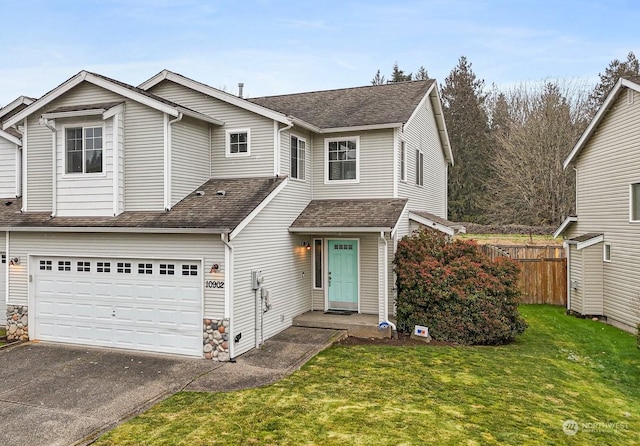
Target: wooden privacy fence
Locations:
point(543, 271)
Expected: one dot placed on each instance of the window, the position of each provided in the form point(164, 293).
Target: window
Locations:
point(238, 142)
point(317, 263)
point(145, 268)
point(403, 162)
point(189, 270)
point(103, 267)
point(298, 155)
point(342, 159)
point(124, 268)
point(606, 252)
point(167, 269)
point(84, 267)
point(419, 168)
point(64, 265)
point(83, 149)
point(45, 265)
point(634, 202)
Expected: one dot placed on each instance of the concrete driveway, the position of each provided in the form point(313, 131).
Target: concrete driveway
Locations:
point(52, 394)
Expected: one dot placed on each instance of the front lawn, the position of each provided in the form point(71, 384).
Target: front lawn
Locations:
point(3, 333)
point(561, 369)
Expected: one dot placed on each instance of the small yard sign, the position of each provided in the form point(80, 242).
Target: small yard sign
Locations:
point(421, 331)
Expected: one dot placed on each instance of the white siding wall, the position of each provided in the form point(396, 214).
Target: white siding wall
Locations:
point(8, 165)
point(606, 167)
point(422, 133)
point(267, 245)
point(260, 163)
point(376, 167)
point(165, 246)
point(3, 280)
point(39, 159)
point(190, 157)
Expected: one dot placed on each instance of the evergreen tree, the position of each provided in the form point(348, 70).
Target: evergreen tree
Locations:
point(464, 112)
point(421, 75)
point(378, 79)
point(608, 79)
point(398, 75)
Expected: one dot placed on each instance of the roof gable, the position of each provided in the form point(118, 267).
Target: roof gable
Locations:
point(14, 107)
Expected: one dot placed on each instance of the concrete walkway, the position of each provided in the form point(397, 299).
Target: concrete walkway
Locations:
point(53, 394)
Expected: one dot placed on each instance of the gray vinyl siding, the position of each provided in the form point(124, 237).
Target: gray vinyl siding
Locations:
point(376, 167)
point(422, 133)
point(592, 297)
point(165, 246)
point(39, 161)
point(266, 244)
point(143, 158)
point(606, 167)
point(260, 163)
point(121, 145)
point(190, 157)
point(577, 286)
point(3, 278)
point(8, 160)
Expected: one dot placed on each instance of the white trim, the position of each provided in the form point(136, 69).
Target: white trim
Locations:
point(6, 270)
point(23, 165)
point(403, 168)
point(305, 151)
point(397, 225)
point(9, 137)
point(258, 209)
point(113, 111)
point(276, 149)
point(228, 291)
point(631, 220)
point(567, 221)
point(215, 93)
point(14, 104)
point(199, 116)
point(168, 161)
point(74, 113)
point(83, 175)
point(419, 173)
point(590, 242)
point(227, 144)
point(361, 128)
point(397, 156)
point(114, 229)
point(606, 258)
point(326, 271)
point(337, 230)
point(18, 182)
point(326, 160)
point(313, 263)
point(432, 224)
point(116, 162)
point(602, 111)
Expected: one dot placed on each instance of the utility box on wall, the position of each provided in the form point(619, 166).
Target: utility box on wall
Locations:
point(256, 279)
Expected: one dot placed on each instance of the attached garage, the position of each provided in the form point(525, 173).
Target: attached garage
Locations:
point(139, 304)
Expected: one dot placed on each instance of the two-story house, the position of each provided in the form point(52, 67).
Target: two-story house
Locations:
point(602, 238)
point(174, 217)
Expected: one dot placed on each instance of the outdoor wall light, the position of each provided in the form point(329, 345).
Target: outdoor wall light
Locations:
point(14, 261)
point(214, 268)
point(306, 245)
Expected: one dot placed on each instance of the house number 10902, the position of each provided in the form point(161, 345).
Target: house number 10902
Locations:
point(214, 284)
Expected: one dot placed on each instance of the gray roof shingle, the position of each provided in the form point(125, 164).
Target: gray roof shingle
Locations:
point(349, 107)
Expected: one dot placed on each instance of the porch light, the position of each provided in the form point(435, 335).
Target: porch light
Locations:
point(214, 268)
point(306, 245)
point(14, 261)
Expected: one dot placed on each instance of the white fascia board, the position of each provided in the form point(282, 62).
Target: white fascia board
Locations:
point(9, 137)
point(362, 128)
point(14, 104)
point(432, 224)
point(200, 116)
point(567, 221)
point(74, 113)
point(602, 111)
point(258, 209)
point(590, 242)
point(304, 124)
point(215, 93)
point(115, 229)
point(46, 99)
point(113, 111)
point(335, 230)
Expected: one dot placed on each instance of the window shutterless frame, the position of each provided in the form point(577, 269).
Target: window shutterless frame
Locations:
point(342, 160)
point(83, 149)
point(606, 252)
point(238, 142)
point(318, 264)
point(634, 202)
point(297, 157)
point(403, 161)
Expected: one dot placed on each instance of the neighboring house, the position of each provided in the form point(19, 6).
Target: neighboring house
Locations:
point(602, 240)
point(174, 217)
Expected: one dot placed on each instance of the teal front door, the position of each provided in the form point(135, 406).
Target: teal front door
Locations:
point(343, 274)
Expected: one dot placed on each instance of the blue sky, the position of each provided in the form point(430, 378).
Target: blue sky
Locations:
point(278, 47)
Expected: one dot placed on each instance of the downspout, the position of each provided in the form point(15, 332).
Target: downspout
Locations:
point(167, 163)
point(276, 155)
point(228, 292)
point(7, 269)
point(385, 322)
point(19, 164)
point(54, 192)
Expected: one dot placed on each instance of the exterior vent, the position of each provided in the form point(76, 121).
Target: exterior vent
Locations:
point(221, 193)
point(240, 89)
point(199, 193)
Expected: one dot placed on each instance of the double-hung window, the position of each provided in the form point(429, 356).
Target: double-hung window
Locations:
point(83, 149)
point(342, 159)
point(238, 142)
point(298, 147)
point(634, 202)
point(419, 167)
point(403, 162)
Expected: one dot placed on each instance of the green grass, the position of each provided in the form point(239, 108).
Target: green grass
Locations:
point(562, 368)
point(3, 333)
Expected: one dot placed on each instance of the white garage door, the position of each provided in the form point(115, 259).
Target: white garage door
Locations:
point(151, 305)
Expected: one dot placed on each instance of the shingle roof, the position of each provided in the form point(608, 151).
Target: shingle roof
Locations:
point(585, 237)
point(202, 209)
point(457, 227)
point(83, 107)
point(371, 213)
point(349, 107)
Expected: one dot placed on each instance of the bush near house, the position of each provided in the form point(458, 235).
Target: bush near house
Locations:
point(456, 291)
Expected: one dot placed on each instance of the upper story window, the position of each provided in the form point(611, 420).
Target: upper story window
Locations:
point(419, 167)
point(403, 162)
point(634, 202)
point(606, 252)
point(342, 159)
point(238, 142)
point(83, 149)
point(298, 155)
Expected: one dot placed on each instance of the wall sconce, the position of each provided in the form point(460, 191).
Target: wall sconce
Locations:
point(214, 268)
point(306, 245)
point(14, 261)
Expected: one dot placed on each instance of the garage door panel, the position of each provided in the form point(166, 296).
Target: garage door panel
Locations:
point(104, 305)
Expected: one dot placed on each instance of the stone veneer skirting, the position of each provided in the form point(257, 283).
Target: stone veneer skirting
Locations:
point(216, 339)
point(17, 323)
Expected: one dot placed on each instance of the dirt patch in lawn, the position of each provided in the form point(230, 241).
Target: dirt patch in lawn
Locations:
point(402, 341)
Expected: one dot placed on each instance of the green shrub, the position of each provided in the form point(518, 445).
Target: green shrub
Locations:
point(456, 291)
